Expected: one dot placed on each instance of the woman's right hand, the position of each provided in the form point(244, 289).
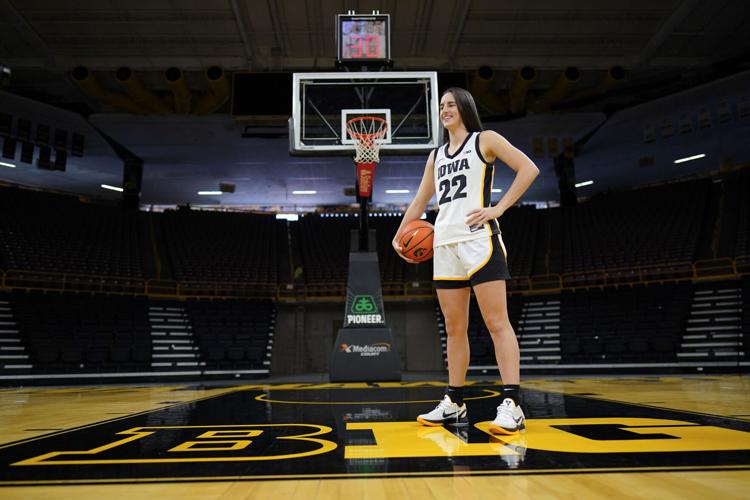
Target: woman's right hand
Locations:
point(399, 251)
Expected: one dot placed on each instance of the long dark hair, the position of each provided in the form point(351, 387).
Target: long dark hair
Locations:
point(466, 108)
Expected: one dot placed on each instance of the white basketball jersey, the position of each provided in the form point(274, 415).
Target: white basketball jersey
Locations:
point(463, 182)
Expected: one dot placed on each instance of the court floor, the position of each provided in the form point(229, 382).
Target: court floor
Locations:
point(616, 437)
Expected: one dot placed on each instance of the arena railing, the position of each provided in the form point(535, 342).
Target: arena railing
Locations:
point(72, 282)
point(723, 268)
point(667, 271)
point(195, 288)
point(715, 268)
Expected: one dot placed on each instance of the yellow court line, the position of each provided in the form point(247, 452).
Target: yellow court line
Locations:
point(261, 397)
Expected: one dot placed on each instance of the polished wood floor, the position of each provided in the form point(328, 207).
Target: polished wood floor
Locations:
point(582, 441)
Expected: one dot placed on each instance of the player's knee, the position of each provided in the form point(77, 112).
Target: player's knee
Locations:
point(499, 327)
point(456, 328)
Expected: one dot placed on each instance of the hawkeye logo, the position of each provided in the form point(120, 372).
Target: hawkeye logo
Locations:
point(367, 349)
point(364, 311)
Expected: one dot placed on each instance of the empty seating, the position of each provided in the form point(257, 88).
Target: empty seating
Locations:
point(83, 333)
point(620, 230)
point(520, 226)
point(57, 233)
point(626, 324)
point(223, 247)
point(624, 230)
point(323, 247)
point(233, 334)
point(632, 228)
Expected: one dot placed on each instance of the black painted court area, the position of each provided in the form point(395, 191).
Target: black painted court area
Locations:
point(365, 432)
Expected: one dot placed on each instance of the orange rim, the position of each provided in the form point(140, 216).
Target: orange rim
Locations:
point(366, 136)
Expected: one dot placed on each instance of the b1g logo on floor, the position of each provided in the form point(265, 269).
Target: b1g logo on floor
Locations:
point(364, 311)
point(199, 443)
point(397, 440)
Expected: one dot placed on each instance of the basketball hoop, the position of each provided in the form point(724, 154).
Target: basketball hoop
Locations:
point(367, 132)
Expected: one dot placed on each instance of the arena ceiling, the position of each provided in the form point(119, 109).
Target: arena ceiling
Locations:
point(664, 46)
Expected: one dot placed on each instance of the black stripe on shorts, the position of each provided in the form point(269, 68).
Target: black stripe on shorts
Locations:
point(451, 283)
point(495, 269)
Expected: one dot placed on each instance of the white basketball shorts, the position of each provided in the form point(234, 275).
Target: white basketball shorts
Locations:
point(469, 263)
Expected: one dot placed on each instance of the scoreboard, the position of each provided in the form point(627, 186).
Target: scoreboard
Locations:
point(363, 38)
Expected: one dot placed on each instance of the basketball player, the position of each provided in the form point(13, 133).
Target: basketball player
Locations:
point(469, 251)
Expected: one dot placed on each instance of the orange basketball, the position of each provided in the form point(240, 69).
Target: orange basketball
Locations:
point(416, 240)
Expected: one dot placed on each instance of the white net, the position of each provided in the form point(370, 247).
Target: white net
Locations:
point(368, 133)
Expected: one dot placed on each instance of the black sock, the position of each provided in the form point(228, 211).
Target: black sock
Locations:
point(456, 394)
point(513, 392)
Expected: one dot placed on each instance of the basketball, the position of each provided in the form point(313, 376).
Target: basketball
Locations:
point(416, 240)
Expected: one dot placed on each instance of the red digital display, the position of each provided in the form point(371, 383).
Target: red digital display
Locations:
point(367, 46)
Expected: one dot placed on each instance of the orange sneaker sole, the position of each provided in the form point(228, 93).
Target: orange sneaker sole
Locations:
point(494, 429)
point(428, 424)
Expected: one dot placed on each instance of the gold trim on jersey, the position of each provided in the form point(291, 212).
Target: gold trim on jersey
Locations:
point(481, 195)
point(502, 245)
point(488, 224)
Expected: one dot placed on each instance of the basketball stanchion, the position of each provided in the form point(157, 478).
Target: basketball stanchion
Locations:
point(367, 133)
point(365, 349)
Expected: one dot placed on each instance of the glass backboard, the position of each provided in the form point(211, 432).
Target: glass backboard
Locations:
point(322, 102)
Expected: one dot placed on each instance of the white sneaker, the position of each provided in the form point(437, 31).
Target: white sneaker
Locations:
point(446, 412)
point(509, 420)
point(517, 443)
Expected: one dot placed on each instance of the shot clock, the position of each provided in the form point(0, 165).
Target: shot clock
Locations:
point(363, 38)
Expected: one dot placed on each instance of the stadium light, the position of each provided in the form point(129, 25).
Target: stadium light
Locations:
point(396, 191)
point(209, 193)
point(9, 165)
point(112, 188)
point(305, 192)
point(690, 158)
point(584, 183)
